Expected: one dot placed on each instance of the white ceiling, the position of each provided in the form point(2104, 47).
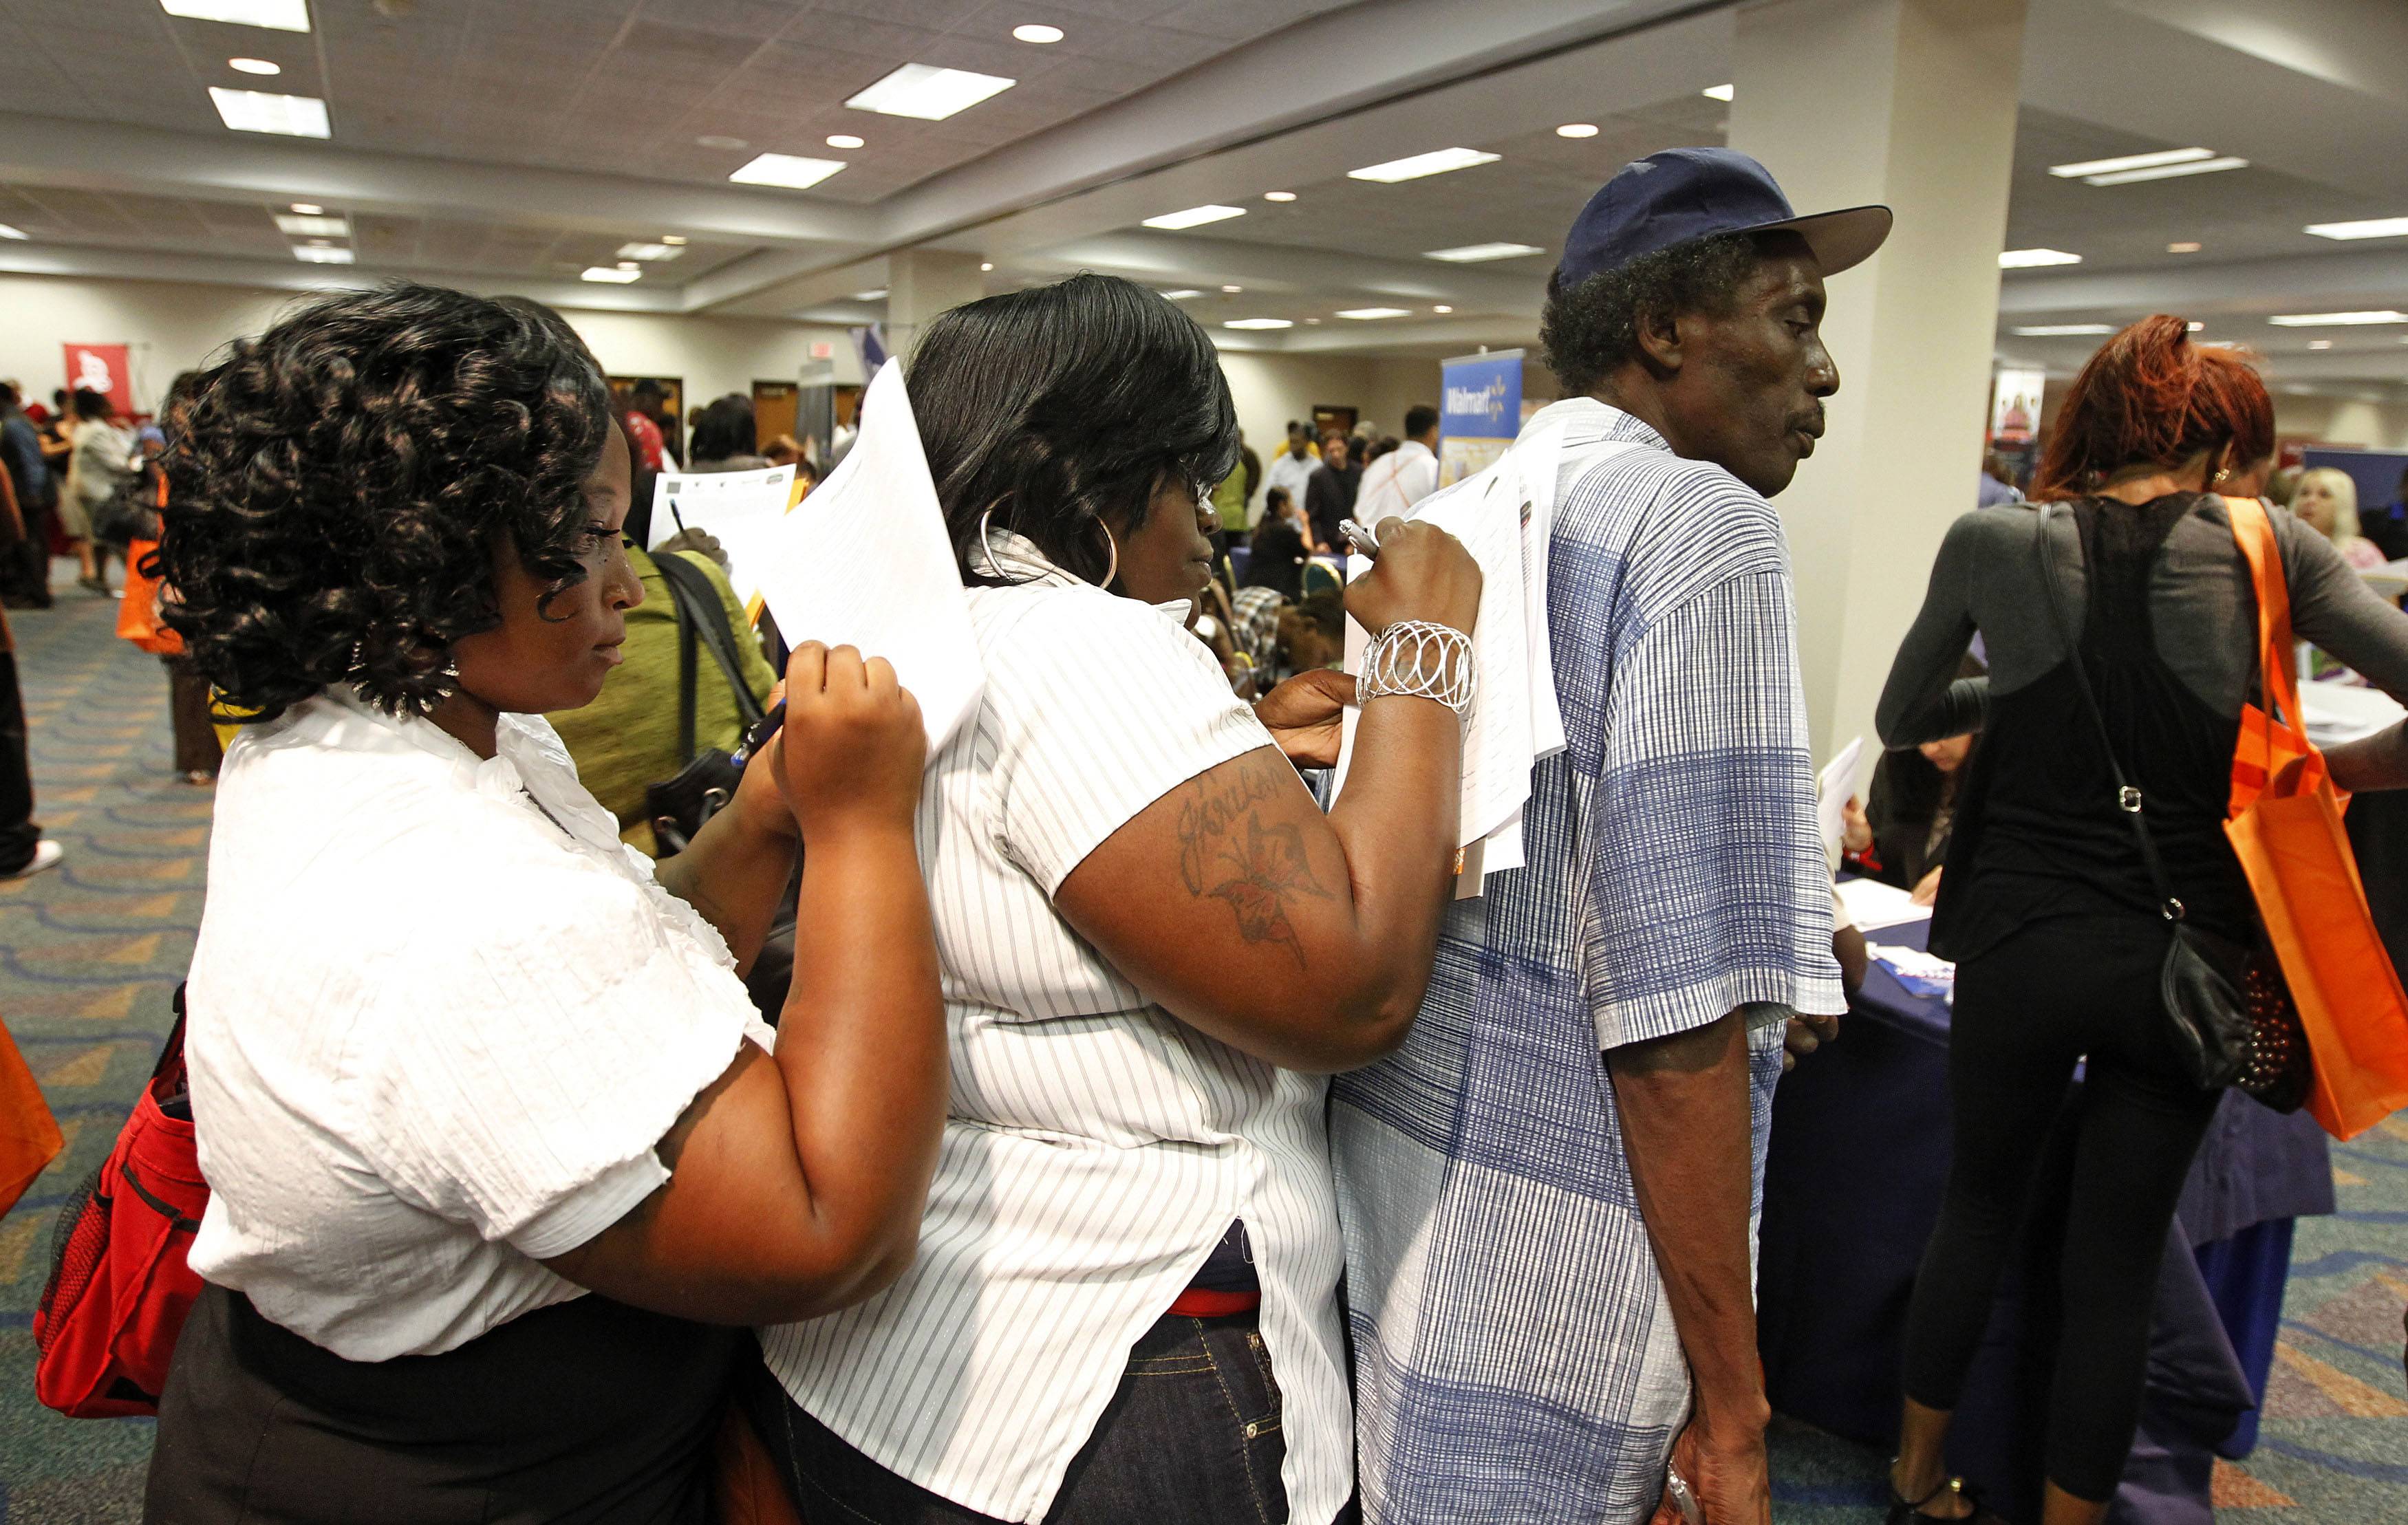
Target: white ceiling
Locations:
point(511, 143)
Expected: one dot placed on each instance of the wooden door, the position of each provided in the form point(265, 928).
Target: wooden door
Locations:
point(773, 409)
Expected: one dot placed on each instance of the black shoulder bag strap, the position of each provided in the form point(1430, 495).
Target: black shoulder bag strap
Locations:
point(701, 615)
point(2200, 980)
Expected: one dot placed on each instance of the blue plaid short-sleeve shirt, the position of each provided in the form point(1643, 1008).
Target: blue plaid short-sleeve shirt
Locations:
point(1515, 1360)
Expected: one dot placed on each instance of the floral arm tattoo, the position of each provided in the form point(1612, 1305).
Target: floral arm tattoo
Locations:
point(1227, 853)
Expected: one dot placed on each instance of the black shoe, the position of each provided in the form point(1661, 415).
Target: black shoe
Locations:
point(1906, 1511)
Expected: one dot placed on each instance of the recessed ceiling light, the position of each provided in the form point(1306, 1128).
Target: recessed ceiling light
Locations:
point(264, 112)
point(876, 293)
point(1441, 308)
point(2025, 259)
point(276, 15)
point(2064, 330)
point(1232, 290)
point(2337, 320)
point(986, 265)
point(2129, 160)
point(1038, 32)
point(2320, 344)
point(1195, 217)
point(714, 140)
point(1259, 323)
point(928, 93)
point(1367, 313)
point(253, 66)
point(2193, 326)
point(307, 208)
point(2185, 246)
point(2373, 227)
point(7, 231)
point(675, 240)
point(312, 255)
point(1717, 93)
point(1181, 296)
point(619, 277)
point(786, 169)
point(649, 251)
point(2167, 172)
point(1279, 196)
point(296, 225)
point(1416, 165)
point(846, 140)
point(1475, 253)
point(1577, 129)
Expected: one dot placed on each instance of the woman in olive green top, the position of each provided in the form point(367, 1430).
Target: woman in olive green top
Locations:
point(628, 738)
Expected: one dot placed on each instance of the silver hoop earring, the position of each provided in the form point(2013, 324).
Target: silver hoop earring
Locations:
point(1112, 567)
point(986, 551)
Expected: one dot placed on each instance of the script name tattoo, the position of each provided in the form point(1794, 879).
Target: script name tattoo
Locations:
point(1227, 853)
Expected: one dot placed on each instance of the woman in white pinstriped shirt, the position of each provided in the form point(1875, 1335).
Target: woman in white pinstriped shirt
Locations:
point(1150, 942)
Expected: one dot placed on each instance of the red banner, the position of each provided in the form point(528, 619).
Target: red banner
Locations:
point(106, 369)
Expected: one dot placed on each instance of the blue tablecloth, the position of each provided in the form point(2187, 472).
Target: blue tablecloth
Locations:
point(1859, 1159)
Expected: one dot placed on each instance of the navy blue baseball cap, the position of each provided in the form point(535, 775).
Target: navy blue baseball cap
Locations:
point(1683, 194)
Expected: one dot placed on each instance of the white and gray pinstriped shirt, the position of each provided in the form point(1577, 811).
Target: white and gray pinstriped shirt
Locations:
point(1096, 1146)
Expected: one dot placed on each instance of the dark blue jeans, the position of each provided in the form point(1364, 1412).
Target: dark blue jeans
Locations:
point(1192, 1437)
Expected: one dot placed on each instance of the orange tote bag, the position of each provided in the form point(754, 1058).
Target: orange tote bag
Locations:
point(29, 1135)
point(2284, 823)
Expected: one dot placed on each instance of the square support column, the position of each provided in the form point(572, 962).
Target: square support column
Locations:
point(922, 283)
point(1910, 103)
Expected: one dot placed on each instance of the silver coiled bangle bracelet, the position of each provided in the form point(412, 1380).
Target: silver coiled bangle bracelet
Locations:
point(1411, 658)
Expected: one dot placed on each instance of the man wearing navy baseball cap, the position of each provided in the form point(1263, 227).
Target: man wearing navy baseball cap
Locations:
point(1548, 1190)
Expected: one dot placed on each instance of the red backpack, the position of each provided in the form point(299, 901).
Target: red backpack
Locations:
point(119, 1291)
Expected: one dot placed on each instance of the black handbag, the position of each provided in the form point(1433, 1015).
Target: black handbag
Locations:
point(2227, 1006)
point(678, 806)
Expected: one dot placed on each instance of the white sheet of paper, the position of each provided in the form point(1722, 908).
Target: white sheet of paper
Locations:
point(1872, 904)
point(865, 561)
point(1497, 740)
point(1833, 787)
point(740, 507)
point(2339, 712)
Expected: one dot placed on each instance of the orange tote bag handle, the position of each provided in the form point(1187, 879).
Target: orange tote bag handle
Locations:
point(2286, 827)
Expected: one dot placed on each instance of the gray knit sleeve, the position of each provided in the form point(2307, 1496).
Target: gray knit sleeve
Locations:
point(2333, 608)
point(1924, 699)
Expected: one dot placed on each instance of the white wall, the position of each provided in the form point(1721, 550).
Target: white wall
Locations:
point(2335, 420)
point(173, 327)
point(1269, 389)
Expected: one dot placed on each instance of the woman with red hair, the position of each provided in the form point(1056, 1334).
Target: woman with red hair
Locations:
point(2046, 905)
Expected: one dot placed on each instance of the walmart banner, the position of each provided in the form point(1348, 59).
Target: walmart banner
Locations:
point(1481, 413)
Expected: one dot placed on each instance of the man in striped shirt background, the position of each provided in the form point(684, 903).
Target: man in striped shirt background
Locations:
point(1549, 1191)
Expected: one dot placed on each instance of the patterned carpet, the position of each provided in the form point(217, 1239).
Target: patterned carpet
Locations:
point(89, 952)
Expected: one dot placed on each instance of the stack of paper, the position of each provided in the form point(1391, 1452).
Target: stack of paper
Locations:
point(865, 561)
point(738, 508)
point(1504, 516)
point(1871, 904)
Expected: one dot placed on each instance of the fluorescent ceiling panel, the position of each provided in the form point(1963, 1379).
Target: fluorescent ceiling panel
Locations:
point(1365, 314)
point(1259, 323)
point(1183, 295)
point(649, 251)
point(791, 171)
point(1419, 165)
point(276, 15)
point(2167, 172)
point(265, 111)
point(313, 227)
point(1718, 93)
point(2026, 259)
point(310, 255)
point(2337, 320)
point(1193, 217)
point(2064, 330)
point(2375, 227)
point(875, 294)
point(7, 231)
point(608, 273)
point(253, 66)
point(1476, 253)
point(2131, 161)
point(928, 93)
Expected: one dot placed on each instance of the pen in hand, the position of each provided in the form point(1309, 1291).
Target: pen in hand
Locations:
point(1363, 540)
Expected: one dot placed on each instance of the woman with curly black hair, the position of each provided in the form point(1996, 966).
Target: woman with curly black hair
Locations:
point(1155, 944)
point(458, 1060)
